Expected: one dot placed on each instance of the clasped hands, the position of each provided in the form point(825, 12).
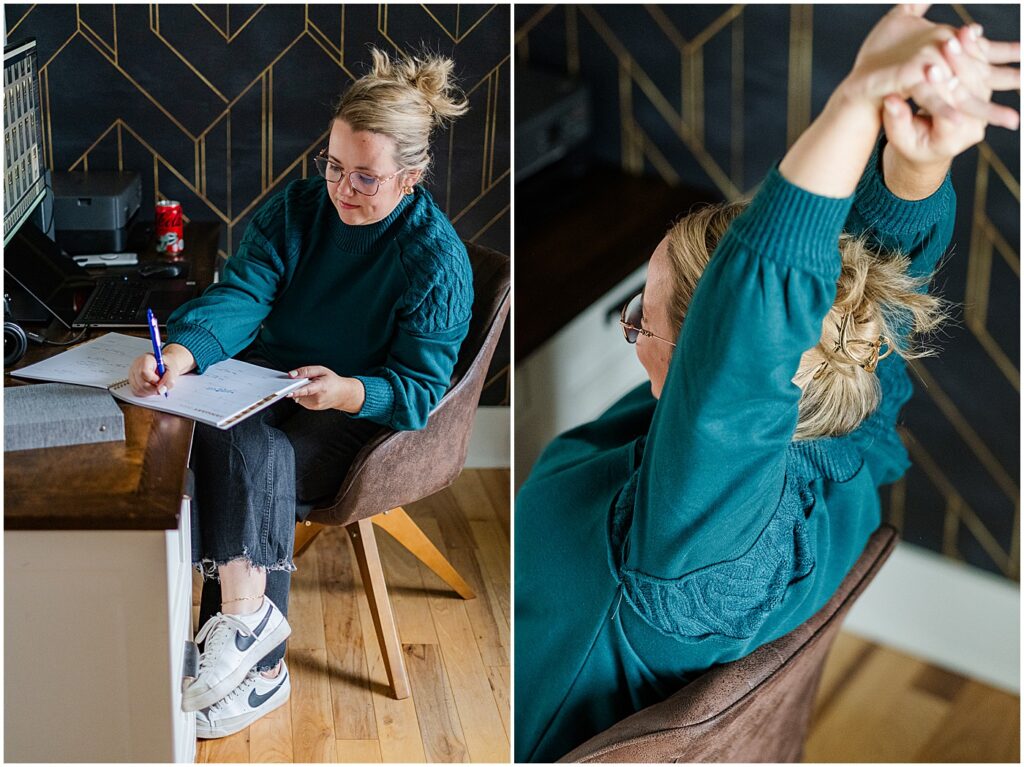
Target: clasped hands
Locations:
point(950, 74)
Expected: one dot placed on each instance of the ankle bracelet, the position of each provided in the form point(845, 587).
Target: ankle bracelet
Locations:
point(241, 599)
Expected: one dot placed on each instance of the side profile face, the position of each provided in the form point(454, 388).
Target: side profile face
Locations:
point(654, 354)
point(372, 155)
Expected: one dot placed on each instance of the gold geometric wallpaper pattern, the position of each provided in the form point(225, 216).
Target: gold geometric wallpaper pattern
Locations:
point(220, 106)
point(686, 117)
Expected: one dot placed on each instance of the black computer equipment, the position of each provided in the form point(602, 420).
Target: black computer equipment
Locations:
point(94, 210)
point(24, 172)
point(78, 299)
point(40, 280)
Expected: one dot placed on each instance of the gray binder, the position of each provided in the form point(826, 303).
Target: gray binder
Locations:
point(55, 414)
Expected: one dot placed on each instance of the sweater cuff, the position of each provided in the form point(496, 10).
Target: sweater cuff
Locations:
point(888, 214)
point(205, 347)
point(379, 404)
point(793, 226)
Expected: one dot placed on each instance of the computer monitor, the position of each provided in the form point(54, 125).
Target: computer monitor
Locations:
point(24, 173)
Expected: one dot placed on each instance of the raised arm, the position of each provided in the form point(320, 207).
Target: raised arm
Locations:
point(728, 411)
point(905, 203)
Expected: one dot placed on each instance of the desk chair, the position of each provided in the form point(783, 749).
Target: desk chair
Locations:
point(396, 468)
point(755, 709)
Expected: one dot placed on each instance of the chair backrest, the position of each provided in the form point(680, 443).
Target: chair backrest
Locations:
point(755, 709)
point(491, 289)
point(398, 467)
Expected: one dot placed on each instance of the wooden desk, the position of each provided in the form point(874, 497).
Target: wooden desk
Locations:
point(98, 580)
point(132, 485)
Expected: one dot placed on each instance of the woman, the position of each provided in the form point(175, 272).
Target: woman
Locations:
point(718, 509)
point(359, 284)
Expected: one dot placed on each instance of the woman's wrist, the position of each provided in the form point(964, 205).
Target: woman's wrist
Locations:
point(909, 180)
point(178, 358)
point(355, 396)
point(858, 91)
point(829, 157)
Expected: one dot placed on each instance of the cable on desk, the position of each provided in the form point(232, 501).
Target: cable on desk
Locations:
point(41, 340)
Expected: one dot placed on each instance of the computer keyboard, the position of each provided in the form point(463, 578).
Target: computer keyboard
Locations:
point(115, 301)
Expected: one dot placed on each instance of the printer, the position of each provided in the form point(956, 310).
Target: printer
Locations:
point(93, 210)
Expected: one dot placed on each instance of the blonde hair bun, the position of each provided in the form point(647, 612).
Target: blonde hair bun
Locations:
point(428, 73)
point(877, 303)
point(404, 97)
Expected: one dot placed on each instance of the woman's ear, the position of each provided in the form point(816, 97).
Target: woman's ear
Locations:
point(412, 178)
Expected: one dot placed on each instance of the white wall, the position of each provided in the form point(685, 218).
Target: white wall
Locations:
point(489, 446)
point(948, 613)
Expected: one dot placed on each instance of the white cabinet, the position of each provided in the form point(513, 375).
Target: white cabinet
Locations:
point(95, 625)
point(575, 375)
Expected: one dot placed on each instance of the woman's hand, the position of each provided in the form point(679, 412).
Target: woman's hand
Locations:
point(327, 390)
point(921, 146)
point(829, 157)
point(902, 53)
point(146, 381)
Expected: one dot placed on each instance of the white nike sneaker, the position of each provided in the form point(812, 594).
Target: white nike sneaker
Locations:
point(253, 698)
point(234, 644)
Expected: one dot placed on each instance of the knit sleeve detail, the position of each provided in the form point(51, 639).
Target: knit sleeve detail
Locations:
point(919, 230)
point(204, 346)
point(888, 215)
point(440, 294)
point(787, 224)
point(732, 598)
point(379, 400)
point(226, 318)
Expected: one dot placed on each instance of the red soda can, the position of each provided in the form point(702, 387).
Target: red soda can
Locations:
point(170, 228)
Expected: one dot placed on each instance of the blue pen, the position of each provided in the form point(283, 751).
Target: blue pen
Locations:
point(154, 336)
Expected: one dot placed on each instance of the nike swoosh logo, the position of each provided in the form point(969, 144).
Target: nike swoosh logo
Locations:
point(256, 700)
point(243, 642)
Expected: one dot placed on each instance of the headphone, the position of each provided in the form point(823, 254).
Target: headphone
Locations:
point(15, 338)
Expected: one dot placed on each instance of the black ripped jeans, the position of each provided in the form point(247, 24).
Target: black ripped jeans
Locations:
point(254, 481)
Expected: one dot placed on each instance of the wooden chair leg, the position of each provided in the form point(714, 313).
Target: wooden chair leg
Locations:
point(305, 533)
point(368, 557)
point(408, 533)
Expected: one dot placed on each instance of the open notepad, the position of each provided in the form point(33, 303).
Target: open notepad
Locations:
point(225, 394)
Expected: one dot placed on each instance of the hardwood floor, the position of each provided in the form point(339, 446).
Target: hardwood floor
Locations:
point(874, 705)
point(456, 651)
point(879, 705)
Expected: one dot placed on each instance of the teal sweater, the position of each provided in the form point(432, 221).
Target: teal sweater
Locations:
point(668, 536)
point(387, 303)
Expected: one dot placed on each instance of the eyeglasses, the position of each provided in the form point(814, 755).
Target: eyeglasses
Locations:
point(363, 183)
point(632, 321)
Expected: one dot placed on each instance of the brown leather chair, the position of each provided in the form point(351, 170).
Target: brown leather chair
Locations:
point(396, 468)
point(755, 709)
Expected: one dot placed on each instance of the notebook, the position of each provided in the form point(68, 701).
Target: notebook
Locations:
point(228, 392)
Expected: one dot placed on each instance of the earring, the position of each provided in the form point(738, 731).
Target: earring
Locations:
point(407, 190)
